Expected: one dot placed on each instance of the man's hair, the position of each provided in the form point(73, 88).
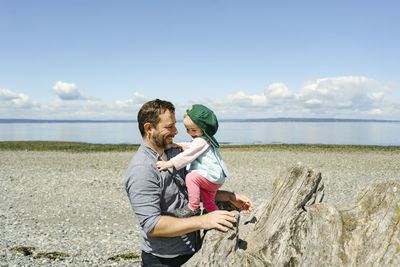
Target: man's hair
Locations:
point(150, 112)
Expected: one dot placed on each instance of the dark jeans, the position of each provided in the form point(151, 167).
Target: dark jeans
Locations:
point(150, 260)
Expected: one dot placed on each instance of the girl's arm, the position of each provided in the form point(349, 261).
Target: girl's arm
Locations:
point(196, 148)
point(184, 145)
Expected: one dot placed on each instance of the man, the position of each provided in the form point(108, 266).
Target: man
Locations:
point(154, 195)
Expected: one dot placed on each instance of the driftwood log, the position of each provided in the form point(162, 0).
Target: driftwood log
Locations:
point(294, 228)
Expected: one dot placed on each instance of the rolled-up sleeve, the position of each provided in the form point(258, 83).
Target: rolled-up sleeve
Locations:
point(144, 191)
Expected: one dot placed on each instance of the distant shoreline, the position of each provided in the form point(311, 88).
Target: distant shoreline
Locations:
point(88, 147)
point(222, 120)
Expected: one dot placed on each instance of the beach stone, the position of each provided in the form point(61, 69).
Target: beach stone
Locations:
point(294, 228)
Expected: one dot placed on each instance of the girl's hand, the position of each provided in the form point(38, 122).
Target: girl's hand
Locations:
point(175, 145)
point(163, 165)
point(241, 202)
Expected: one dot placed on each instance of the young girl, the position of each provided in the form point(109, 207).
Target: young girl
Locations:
point(206, 169)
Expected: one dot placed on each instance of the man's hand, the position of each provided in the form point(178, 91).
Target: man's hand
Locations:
point(219, 219)
point(163, 165)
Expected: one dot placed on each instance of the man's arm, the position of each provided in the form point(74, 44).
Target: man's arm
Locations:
point(169, 226)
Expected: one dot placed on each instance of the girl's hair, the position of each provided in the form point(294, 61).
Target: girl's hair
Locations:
point(188, 120)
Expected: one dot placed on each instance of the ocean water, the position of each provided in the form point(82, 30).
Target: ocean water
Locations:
point(348, 133)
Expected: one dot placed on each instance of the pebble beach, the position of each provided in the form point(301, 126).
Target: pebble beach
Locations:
point(71, 209)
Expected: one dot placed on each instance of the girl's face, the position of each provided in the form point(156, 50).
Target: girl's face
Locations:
point(192, 129)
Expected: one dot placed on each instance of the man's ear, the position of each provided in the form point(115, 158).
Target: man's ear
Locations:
point(147, 128)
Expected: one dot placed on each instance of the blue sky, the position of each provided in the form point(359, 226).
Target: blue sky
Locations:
point(92, 59)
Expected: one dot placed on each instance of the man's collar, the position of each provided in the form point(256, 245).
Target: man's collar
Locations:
point(150, 150)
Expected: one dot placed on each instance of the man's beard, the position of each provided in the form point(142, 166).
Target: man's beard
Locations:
point(161, 141)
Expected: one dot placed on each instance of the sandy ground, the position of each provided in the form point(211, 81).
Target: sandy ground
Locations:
point(75, 203)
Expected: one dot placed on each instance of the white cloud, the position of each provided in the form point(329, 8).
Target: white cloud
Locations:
point(68, 91)
point(375, 111)
point(378, 96)
point(273, 99)
point(6, 94)
point(278, 91)
point(313, 101)
point(95, 109)
point(132, 103)
point(341, 92)
point(336, 97)
point(241, 99)
point(11, 99)
point(347, 96)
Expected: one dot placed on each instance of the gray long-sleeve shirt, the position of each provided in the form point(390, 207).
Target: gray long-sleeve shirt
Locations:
point(153, 194)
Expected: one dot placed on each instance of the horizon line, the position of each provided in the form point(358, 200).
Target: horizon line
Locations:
point(280, 119)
